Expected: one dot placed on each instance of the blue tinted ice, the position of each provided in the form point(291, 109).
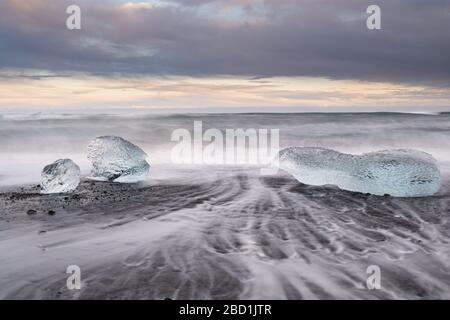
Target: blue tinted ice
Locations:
point(400, 173)
point(118, 160)
point(60, 177)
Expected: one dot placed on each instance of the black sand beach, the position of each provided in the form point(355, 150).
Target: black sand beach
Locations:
point(241, 237)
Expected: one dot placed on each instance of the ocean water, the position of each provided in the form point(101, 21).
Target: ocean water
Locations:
point(30, 141)
point(221, 231)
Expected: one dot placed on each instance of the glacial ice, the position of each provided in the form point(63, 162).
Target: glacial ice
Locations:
point(399, 173)
point(60, 177)
point(117, 160)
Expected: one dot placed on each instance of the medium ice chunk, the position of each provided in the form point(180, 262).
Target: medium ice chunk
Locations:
point(60, 177)
point(399, 173)
point(118, 160)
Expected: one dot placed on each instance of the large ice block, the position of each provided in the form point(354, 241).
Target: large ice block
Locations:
point(118, 160)
point(400, 173)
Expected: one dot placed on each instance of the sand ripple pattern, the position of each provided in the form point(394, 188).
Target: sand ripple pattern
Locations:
point(232, 236)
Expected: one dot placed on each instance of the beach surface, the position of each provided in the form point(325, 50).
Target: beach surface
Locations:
point(238, 236)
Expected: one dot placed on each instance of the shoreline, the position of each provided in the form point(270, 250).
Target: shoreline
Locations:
point(232, 237)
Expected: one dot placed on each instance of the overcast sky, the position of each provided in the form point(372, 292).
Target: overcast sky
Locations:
point(225, 53)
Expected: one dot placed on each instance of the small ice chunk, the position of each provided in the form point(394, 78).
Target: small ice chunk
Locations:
point(399, 173)
point(60, 177)
point(117, 160)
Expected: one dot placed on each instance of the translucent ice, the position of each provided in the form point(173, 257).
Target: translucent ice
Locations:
point(400, 173)
point(59, 177)
point(118, 160)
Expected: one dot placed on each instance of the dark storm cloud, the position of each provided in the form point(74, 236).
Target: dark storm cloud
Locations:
point(232, 37)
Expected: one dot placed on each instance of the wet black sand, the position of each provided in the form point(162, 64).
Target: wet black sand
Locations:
point(242, 236)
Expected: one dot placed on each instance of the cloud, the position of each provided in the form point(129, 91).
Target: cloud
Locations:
point(137, 5)
point(244, 38)
point(86, 91)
